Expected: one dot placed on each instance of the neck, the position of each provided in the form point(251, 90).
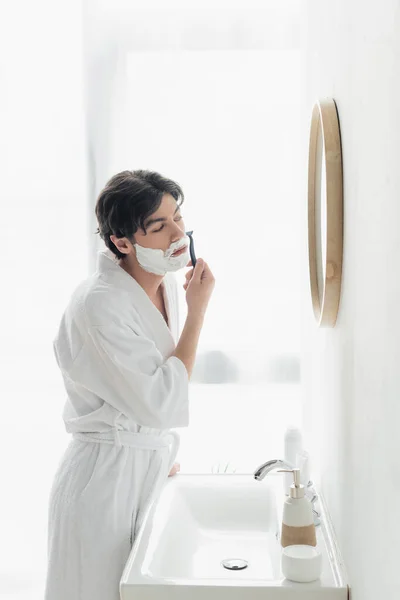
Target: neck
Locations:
point(148, 281)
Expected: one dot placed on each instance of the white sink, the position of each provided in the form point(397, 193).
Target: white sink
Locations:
point(201, 520)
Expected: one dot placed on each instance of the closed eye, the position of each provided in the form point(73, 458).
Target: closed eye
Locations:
point(162, 226)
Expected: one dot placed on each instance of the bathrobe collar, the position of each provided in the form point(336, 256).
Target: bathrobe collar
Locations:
point(165, 336)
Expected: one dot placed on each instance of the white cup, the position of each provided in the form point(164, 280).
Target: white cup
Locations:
point(301, 563)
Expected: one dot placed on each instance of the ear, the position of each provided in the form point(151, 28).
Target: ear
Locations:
point(121, 244)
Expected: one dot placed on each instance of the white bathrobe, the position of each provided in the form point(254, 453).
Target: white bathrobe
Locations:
point(124, 393)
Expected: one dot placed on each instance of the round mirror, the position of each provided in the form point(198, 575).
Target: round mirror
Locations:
point(325, 212)
point(320, 214)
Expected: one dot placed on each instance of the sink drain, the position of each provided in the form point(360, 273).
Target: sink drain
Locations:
point(234, 564)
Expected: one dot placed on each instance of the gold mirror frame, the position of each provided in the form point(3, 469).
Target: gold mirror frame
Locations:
point(325, 123)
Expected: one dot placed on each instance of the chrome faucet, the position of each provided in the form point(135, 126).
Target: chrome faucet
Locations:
point(278, 463)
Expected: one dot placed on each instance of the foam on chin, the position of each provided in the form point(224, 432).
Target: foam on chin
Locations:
point(154, 260)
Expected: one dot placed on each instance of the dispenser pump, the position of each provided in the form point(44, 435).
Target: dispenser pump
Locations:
point(296, 489)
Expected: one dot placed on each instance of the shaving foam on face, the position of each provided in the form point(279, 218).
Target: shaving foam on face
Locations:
point(155, 260)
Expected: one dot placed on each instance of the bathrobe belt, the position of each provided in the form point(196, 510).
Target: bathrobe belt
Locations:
point(142, 441)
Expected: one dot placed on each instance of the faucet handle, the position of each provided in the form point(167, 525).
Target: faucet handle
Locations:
point(269, 466)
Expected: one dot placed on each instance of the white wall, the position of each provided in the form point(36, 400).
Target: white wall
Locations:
point(351, 373)
point(43, 256)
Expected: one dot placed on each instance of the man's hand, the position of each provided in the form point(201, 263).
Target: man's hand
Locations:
point(175, 469)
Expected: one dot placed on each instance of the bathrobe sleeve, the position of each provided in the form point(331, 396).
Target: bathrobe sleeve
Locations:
point(125, 369)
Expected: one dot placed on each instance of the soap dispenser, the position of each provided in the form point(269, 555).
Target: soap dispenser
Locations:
point(297, 523)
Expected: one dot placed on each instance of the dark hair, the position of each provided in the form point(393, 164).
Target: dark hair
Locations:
point(127, 200)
